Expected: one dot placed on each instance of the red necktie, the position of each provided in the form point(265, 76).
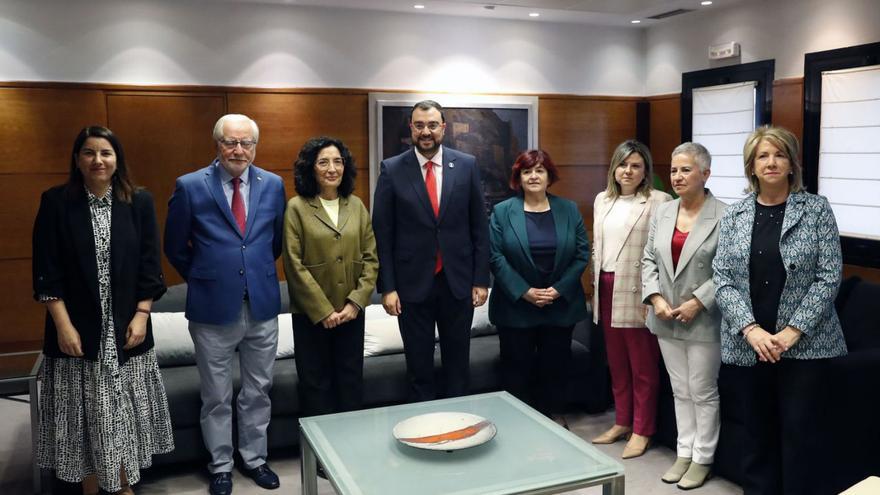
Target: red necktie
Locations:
point(238, 205)
point(431, 184)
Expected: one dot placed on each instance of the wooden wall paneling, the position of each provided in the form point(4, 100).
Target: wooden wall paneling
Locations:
point(865, 272)
point(665, 124)
point(580, 133)
point(788, 105)
point(42, 124)
point(21, 318)
point(362, 186)
point(167, 132)
point(584, 130)
point(287, 178)
point(22, 197)
point(661, 170)
point(165, 135)
point(287, 121)
point(581, 184)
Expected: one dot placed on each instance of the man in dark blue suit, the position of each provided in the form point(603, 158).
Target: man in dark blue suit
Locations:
point(432, 240)
point(223, 235)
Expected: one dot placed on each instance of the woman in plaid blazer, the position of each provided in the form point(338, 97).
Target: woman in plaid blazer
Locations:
point(621, 221)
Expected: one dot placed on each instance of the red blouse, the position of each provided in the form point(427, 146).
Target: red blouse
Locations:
point(678, 238)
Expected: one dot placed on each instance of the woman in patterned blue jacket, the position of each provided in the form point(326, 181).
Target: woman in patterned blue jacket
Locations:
point(776, 272)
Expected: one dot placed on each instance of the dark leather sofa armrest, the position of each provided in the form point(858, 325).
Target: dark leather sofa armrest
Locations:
point(853, 409)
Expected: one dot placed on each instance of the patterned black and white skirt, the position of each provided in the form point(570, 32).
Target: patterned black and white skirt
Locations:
point(99, 418)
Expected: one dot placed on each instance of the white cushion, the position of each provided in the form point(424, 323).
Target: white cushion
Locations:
point(381, 333)
point(174, 345)
point(285, 336)
point(481, 324)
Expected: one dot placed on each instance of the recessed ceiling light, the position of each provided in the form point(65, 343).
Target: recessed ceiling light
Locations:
point(635, 21)
point(534, 14)
point(418, 6)
point(706, 2)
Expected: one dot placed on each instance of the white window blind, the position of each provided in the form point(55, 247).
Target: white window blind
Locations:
point(723, 116)
point(849, 149)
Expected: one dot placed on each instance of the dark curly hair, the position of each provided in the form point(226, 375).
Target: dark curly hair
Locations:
point(304, 168)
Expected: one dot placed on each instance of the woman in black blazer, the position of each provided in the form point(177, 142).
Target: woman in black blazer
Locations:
point(97, 269)
point(538, 252)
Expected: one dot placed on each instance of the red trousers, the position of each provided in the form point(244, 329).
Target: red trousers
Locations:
point(633, 360)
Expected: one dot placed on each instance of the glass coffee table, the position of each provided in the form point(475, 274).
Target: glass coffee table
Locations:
point(18, 376)
point(529, 455)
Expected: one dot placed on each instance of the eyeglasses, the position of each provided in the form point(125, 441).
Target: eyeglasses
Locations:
point(325, 163)
point(231, 144)
point(431, 126)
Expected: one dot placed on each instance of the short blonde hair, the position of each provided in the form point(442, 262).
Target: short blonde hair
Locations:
point(786, 142)
point(621, 153)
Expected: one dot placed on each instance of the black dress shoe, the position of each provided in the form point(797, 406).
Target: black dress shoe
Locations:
point(221, 484)
point(263, 476)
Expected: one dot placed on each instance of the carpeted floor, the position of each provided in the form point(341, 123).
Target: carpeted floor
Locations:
point(642, 474)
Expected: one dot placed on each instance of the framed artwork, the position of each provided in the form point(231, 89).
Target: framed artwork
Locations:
point(495, 129)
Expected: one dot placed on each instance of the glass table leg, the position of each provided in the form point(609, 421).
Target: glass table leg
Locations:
point(615, 486)
point(308, 467)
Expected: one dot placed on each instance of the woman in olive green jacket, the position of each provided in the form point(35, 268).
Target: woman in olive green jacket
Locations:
point(331, 267)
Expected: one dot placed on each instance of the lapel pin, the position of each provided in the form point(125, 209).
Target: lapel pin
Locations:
point(451, 164)
point(259, 178)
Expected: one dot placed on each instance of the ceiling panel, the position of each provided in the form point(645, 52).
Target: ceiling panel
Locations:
point(589, 12)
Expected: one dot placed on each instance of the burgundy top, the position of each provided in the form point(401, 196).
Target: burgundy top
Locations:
point(678, 238)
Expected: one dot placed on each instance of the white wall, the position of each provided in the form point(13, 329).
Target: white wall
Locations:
point(216, 43)
point(783, 30)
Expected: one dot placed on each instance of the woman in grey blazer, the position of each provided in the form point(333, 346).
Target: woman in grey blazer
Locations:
point(677, 282)
point(777, 271)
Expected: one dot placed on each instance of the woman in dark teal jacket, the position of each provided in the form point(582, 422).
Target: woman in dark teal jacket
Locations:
point(538, 252)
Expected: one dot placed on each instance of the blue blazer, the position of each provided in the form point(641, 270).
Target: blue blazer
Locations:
point(810, 249)
point(203, 243)
point(515, 271)
point(408, 233)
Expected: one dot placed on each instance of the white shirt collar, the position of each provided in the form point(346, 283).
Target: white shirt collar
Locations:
point(225, 177)
point(437, 159)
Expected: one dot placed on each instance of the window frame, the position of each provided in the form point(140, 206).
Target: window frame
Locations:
point(856, 251)
point(761, 71)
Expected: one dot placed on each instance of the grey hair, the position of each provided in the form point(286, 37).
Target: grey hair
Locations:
point(697, 152)
point(218, 127)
